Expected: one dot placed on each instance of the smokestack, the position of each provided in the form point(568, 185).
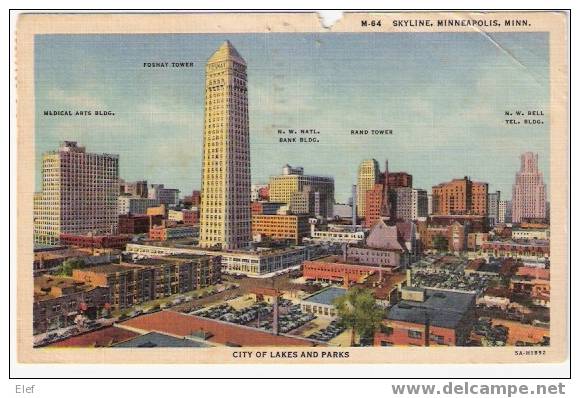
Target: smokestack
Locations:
point(353, 207)
point(386, 210)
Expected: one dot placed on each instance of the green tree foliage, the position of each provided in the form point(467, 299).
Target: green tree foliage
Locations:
point(68, 265)
point(359, 311)
point(440, 242)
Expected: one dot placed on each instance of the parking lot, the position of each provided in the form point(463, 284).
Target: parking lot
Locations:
point(448, 272)
point(258, 315)
point(328, 333)
point(489, 334)
point(444, 279)
point(63, 333)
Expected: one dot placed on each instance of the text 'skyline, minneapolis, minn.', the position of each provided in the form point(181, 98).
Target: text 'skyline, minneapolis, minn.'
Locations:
point(288, 195)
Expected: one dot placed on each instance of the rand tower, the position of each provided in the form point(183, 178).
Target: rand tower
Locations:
point(225, 193)
point(368, 176)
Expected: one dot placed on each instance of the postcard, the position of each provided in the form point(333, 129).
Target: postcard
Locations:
point(258, 188)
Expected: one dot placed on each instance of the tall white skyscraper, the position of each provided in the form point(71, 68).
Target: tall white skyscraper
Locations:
point(79, 194)
point(529, 190)
point(225, 195)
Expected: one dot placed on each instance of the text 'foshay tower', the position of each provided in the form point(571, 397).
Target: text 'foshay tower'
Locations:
point(225, 198)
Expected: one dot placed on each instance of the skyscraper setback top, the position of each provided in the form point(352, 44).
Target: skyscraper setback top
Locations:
point(225, 198)
point(529, 190)
point(226, 52)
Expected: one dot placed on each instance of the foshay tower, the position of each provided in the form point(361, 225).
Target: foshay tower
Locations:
point(225, 193)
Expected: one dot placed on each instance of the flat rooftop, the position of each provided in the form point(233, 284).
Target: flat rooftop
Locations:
point(336, 259)
point(216, 332)
point(184, 256)
point(105, 337)
point(196, 250)
point(159, 340)
point(43, 286)
point(521, 242)
point(326, 296)
point(156, 261)
point(110, 268)
point(41, 247)
point(444, 308)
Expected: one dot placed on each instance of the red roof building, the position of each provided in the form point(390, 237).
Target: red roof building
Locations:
point(212, 331)
point(105, 337)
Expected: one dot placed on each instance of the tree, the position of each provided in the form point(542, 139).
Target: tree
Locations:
point(68, 265)
point(440, 242)
point(358, 310)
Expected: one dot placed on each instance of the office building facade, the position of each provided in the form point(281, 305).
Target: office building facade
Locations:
point(79, 194)
point(529, 190)
point(225, 194)
point(368, 176)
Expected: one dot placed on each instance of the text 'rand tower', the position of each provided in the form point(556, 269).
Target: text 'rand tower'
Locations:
point(225, 196)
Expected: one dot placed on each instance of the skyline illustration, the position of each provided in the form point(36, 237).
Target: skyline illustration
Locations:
point(450, 92)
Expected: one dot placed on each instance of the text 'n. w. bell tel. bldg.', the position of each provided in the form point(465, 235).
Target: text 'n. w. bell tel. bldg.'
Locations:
point(225, 197)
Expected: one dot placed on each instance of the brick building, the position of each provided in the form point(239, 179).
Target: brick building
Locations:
point(138, 223)
point(149, 279)
point(332, 269)
point(211, 331)
point(399, 180)
point(453, 237)
point(281, 227)
point(50, 260)
point(375, 257)
point(95, 241)
point(537, 249)
point(266, 208)
point(196, 198)
point(428, 317)
point(534, 283)
point(475, 240)
point(190, 216)
point(460, 196)
point(374, 205)
point(474, 223)
point(174, 232)
point(479, 198)
point(58, 300)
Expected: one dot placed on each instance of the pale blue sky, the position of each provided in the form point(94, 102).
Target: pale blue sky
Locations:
point(443, 94)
